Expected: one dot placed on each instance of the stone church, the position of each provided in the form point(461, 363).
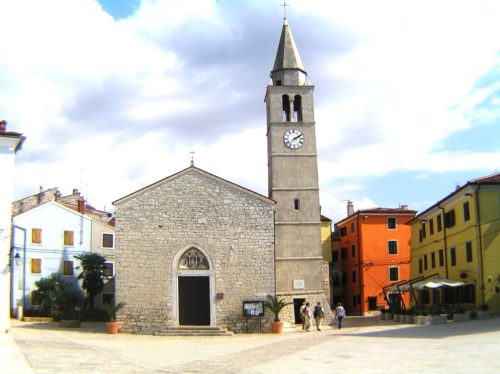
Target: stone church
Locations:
point(195, 249)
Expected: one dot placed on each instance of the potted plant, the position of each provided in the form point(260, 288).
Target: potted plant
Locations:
point(276, 305)
point(111, 309)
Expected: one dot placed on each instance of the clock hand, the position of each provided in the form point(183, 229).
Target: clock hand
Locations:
point(298, 136)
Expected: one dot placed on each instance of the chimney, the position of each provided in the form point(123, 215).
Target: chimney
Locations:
point(350, 208)
point(3, 125)
point(81, 205)
point(76, 192)
point(404, 207)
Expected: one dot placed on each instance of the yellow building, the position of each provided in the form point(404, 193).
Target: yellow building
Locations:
point(459, 238)
point(326, 238)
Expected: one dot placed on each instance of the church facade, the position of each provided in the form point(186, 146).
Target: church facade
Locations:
point(193, 248)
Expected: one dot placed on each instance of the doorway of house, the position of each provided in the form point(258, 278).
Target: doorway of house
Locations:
point(194, 301)
point(297, 303)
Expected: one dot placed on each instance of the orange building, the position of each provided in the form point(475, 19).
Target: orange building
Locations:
point(374, 253)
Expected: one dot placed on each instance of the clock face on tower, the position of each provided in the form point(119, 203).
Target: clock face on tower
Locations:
point(293, 139)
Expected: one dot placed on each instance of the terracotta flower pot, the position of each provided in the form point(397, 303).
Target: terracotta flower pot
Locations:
point(277, 327)
point(112, 327)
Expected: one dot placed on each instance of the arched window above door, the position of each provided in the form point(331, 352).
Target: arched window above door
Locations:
point(193, 259)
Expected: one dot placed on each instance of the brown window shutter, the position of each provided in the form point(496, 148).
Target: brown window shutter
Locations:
point(36, 265)
point(68, 238)
point(36, 236)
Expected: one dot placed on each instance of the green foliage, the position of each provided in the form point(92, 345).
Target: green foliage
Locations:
point(112, 309)
point(275, 305)
point(334, 274)
point(484, 307)
point(54, 291)
point(92, 274)
point(94, 315)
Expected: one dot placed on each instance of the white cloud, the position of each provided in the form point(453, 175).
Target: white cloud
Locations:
point(110, 106)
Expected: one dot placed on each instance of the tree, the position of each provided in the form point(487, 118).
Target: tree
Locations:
point(92, 275)
point(47, 289)
point(54, 290)
point(335, 276)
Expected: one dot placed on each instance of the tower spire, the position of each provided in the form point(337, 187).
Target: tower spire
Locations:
point(288, 69)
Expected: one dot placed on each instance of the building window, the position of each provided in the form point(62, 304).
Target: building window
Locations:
point(424, 234)
point(431, 226)
point(466, 211)
point(343, 253)
point(468, 251)
point(393, 273)
point(69, 238)
point(35, 298)
point(449, 218)
point(441, 257)
point(352, 227)
point(425, 262)
point(36, 265)
point(453, 257)
point(68, 268)
point(391, 223)
point(439, 223)
point(372, 302)
point(36, 236)
point(343, 231)
point(393, 247)
point(353, 250)
point(344, 278)
point(354, 301)
point(296, 204)
point(420, 266)
point(433, 260)
point(108, 270)
point(108, 298)
point(108, 241)
point(335, 256)
point(354, 276)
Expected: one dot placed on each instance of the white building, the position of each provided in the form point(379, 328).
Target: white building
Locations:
point(10, 143)
point(46, 240)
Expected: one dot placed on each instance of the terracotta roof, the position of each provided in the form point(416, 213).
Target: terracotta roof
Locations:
point(488, 179)
point(386, 211)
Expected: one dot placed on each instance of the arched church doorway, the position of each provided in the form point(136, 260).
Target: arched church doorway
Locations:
point(194, 288)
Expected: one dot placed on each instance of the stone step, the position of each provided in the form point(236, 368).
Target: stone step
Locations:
point(194, 331)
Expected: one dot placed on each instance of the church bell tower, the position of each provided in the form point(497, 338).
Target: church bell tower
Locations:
point(293, 176)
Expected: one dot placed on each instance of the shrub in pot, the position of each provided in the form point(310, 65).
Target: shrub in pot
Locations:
point(276, 305)
point(111, 309)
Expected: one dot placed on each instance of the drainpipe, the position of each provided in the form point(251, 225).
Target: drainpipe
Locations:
point(480, 241)
point(445, 245)
point(24, 266)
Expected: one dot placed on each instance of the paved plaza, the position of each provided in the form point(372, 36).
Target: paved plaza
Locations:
point(365, 345)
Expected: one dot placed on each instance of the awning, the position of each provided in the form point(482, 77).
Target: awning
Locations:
point(429, 283)
point(437, 283)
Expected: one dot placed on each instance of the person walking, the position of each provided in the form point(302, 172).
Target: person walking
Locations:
point(339, 314)
point(301, 312)
point(307, 316)
point(319, 314)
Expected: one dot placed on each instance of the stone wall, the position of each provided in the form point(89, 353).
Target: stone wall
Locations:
point(233, 226)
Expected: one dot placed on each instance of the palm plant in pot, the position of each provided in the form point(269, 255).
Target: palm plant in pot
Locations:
point(111, 309)
point(276, 305)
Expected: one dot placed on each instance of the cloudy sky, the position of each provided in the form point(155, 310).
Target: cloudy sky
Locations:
point(114, 95)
